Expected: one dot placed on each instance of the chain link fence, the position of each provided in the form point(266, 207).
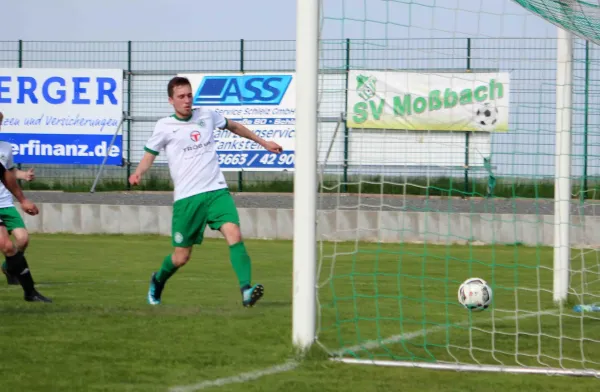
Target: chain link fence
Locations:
point(520, 156)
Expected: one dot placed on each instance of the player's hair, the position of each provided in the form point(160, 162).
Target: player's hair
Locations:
point(177, 81)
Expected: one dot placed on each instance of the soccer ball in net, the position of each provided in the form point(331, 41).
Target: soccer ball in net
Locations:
point(486, 116)
point(475, 294)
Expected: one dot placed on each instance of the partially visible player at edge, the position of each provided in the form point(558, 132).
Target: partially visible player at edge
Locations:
point(15, 266)
point(201, 195)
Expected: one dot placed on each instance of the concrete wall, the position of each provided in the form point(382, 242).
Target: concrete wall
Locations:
point(387, 226)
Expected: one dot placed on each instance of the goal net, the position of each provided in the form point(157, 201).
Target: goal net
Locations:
point(455, 139)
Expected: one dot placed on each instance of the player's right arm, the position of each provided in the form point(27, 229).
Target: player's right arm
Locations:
point(9, 180)
point(143, 166)
point(152, 148)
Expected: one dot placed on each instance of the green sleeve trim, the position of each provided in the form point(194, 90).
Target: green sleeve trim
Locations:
point(226, 123)
point(150, 151)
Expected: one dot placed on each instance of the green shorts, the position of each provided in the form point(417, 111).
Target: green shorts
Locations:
point(192, 214)
point(11, 218)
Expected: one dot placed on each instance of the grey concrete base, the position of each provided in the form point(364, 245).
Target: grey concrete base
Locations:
point(334, 225)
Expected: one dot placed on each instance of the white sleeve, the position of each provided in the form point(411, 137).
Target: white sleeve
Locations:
point(219, 121)
point(156, 142)
point(10, 162)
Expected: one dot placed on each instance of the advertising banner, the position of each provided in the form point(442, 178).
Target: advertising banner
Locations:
point(264, 103)
point(62, 116)
point(459, 101)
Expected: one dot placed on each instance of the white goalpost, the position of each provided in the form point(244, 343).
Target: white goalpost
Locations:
point(562, 172)
point(305, 174)
point(459, 154)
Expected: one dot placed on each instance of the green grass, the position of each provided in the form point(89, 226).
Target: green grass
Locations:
point(153, 183)
point(379, 291)
point(100, 335)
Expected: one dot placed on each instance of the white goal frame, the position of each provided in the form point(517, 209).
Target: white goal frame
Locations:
point(304, 307)
point(306, 187)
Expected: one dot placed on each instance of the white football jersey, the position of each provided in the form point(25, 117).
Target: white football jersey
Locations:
point(191, 151)
point(6, 157)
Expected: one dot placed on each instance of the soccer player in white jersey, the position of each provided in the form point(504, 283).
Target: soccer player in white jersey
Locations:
point(201, 195)
point(9, 214)
point(15, 266)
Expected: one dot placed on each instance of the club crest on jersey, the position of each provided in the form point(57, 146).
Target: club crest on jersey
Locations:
point(202, 124)
point(195, 136)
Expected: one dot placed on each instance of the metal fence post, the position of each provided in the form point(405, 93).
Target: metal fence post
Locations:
point(129, 75)
point(240, 180)
point(467, 133)
point(346, 131)
point(586, 122)
point(20, 63)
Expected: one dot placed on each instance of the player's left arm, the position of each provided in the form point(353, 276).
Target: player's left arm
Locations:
point(244, 132)
point(28, 175)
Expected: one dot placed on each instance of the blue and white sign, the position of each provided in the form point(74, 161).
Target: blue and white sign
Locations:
point(264, 102)
point(62, 116)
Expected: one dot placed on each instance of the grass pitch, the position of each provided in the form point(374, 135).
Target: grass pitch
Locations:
point(378, 301)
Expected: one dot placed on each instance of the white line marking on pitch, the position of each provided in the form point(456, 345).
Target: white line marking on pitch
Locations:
point(371, 344)
point(242, 377)
point(291, 365)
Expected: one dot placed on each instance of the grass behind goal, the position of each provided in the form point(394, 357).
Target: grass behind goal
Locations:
point(406, 59)
point(100, 335)
point(399, 302)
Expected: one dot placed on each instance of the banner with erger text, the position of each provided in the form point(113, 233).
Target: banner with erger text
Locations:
point(62, 116)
